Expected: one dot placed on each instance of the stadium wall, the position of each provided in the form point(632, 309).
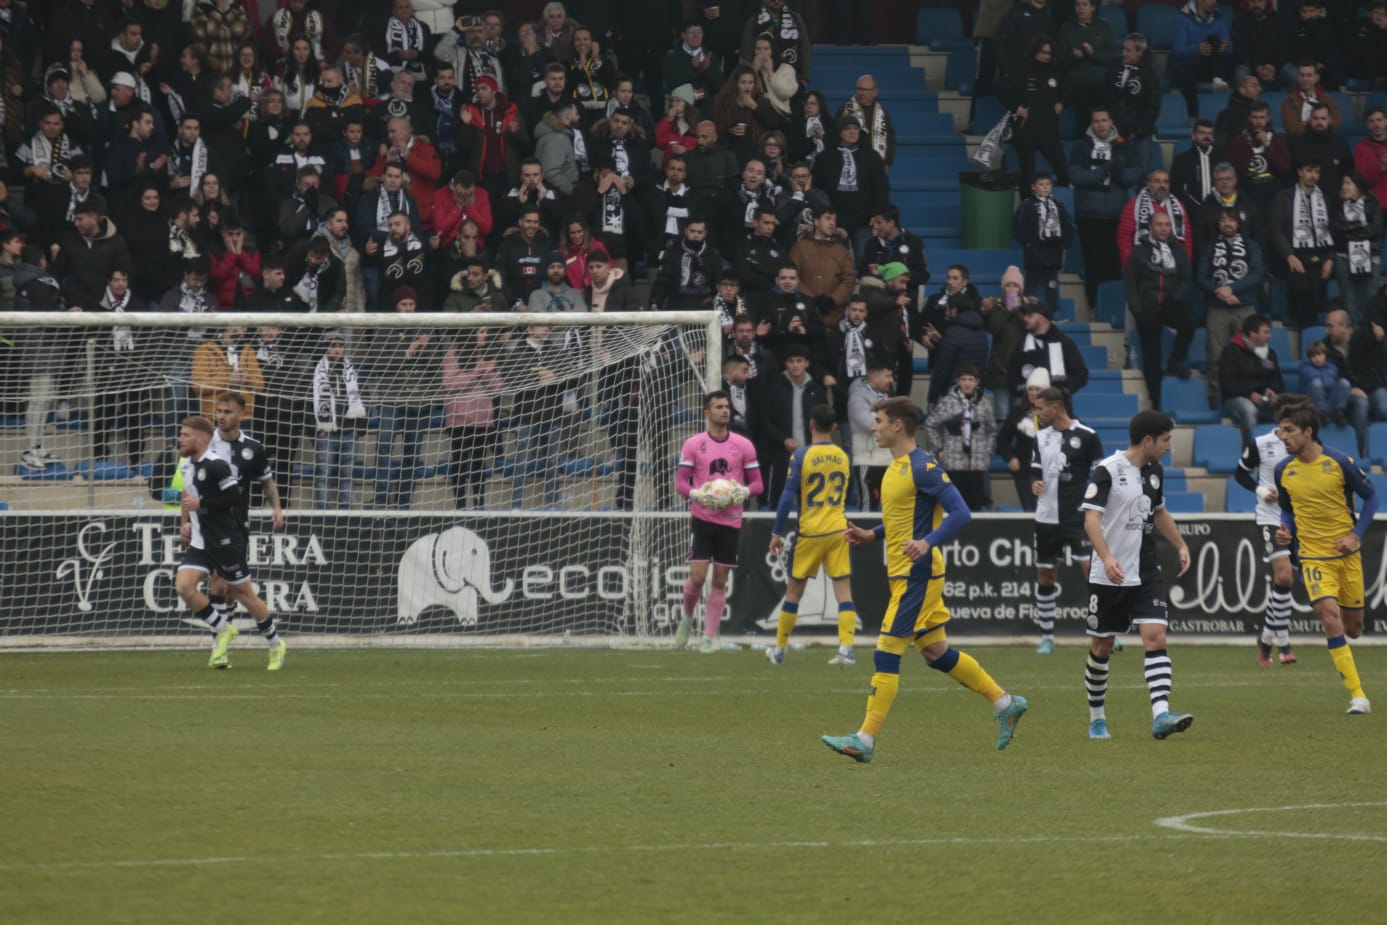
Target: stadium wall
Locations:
point(439, 577)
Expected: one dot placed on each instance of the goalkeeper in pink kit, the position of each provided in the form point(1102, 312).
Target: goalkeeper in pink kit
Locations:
point(715, 454)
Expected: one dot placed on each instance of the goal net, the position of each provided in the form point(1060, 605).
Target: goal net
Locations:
point(446, 478)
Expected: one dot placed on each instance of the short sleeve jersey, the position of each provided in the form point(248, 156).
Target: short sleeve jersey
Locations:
point(1063, 459)
point(818, 477)
point(210, 479)
point(910, 509)
point(1259, 459)
point(708, 458)
point(1319, 497)
point(250, 463)
point(1128, 497)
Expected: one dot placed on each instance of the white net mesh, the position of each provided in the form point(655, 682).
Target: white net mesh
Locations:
point(446, 478)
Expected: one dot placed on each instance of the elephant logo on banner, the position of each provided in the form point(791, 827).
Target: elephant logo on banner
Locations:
point(450, 569)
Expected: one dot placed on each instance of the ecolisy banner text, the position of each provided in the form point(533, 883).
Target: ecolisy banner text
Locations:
point(548, 574)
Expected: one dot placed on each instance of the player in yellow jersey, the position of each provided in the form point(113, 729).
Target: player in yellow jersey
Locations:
point(920, 510)
point(1315, 485)
point(818, 486)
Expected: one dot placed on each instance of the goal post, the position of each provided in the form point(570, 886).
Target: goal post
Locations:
point(449, 479)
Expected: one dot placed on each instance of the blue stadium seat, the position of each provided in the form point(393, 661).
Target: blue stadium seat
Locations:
point(1186, 400)
point(1281, 344)
point(1117, 18)
point(1342, 439)
point(1174, 120)
point(1273, 99)
point(1237, 499)
point(1157, 22)
point(1184, 502)
point(1377, 444)
point(940, 27)
point(1348, 109)
point(1217, 448)
point(1112, 303)
point(1308, 336)
point(962, 71)
point(987, 113)
point(1105, 406)
point(1096, 357)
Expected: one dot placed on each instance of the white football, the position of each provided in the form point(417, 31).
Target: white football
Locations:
point(721, 491)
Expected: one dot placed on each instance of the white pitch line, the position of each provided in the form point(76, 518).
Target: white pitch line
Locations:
point(467, 853)
point(1182, 824)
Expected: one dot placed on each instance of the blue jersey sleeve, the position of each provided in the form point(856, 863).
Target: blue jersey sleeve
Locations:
point(1359, 484)
point(789, 498)
point(931, 480)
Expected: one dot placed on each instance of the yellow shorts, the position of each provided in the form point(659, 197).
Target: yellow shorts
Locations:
point(829, 550)
point(1341, 579)
point(916, 607)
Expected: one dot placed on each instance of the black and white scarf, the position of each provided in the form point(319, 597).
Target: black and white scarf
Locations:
point(1310, 220)
point(580, 150)
point(122, 337)
point(1129, 80)
point(613, 211)
point(1258, 168)
point(620, 157)
point(366, 78)
point(855, 346)
point(1054, 351)
point(1229, 260)
point(407, 36)
point(750, 198)
point(967, 421)
point(1205, 171)
point(1048, 219)
point(40, 152)
point(1360, 253)
point(1308, 104)
point(388, 202)
point(728, 311)
point(1146, 207)
point(676, 207)
point(132, 58)
point(307, 286)
point(181, 243)
point(693, 277)
point(195, 301)
point(811, 123)
point(283, 22)
point(784, 32)
point(75, 198)
point(699, 56)
point(847, 180)
point(195, 161)
point(399, 256)
point(1162, 257)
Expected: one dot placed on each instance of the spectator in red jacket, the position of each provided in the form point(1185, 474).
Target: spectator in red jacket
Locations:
point(1370, 154)
point(460, 201)
point(236, 267)
point(1135, 225)
point(420, 162)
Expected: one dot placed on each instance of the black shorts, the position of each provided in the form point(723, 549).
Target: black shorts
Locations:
point(1270, 549)
point(229, 563)
point(1112, 611)
point(714, 542)
point(1051, 540)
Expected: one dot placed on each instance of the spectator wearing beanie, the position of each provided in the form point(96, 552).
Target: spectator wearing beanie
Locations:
point(1002, 316)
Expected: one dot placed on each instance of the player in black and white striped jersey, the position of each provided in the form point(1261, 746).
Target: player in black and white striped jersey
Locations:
point(1124, 507)
point(1064, 455)
point(1257, 473)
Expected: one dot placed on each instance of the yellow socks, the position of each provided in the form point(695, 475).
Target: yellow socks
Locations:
point(789, 613)
point(1343, 661)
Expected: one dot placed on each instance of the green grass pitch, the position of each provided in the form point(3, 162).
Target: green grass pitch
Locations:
point(578, 785)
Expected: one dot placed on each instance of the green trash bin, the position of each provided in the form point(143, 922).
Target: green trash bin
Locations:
point(989, 199)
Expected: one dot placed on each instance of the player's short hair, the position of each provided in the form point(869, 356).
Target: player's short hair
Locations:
point(197, 266)
point(796, 350)
point(735, 359)
point(900, 408)
point(200, 424)
point(597, 256)
point(318, 247)
point(117, 268)
point(1253, 322)
point(729, 275)
point(1317, 347)
point(967, 369)
point(822, 418)
point(714, 396)
point(234, 398)
point(1301, 414)
point(1149, 423)
point(1052, 396)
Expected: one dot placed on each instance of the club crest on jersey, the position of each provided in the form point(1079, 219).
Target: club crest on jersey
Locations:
point(1074, 442)
point(1327, 466)
point(202, 475)
point(718, 467)
point(1155, 481)
point(247, 453)
point(1144, 505)
point(1091, 491)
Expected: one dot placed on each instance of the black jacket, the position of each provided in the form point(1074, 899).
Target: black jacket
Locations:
point(1185, 179)
point(781, 309)
point(758, 260)
point(1241, 372)
point(83, 264)
point(1025, 228)
point(671, 291)
point(907, 248)
point(776, 424)
point(1331, 150)
point(1137, 102)
point(1033, 352)
point(1364, 364)
point(855, 208)
point(964, 343)
point(1150, 286)
point(520, 263)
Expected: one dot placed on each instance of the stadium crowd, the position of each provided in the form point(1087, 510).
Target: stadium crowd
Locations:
point(421, 156)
